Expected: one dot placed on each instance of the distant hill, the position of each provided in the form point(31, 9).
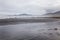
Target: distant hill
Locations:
point(24, 15)
point(21, 15)
point(55, 13)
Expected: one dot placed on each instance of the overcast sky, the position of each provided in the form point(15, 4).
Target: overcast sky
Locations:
point(34, 7)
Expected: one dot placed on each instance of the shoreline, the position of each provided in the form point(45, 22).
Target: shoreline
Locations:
point(26, 20)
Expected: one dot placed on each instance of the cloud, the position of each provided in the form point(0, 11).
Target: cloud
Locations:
point(34, 7)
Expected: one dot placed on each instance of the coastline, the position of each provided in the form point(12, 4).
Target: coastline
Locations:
point(27, 20)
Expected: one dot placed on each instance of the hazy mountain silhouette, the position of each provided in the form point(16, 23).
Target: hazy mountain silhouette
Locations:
point(24, 14)
point(55, 13)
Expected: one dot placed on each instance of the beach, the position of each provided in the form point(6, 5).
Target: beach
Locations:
point(30, 29)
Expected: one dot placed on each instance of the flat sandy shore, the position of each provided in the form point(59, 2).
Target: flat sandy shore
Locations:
point(30, 29)
point(23, 20)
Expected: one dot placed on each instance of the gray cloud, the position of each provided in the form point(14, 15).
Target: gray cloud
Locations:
point(34, 7)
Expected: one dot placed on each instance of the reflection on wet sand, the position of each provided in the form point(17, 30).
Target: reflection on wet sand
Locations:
point(30, 29)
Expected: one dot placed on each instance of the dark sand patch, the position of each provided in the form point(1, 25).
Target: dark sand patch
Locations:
point(32, 20)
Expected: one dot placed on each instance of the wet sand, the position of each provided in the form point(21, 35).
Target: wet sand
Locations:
point(30, 29)
point(23, 20)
